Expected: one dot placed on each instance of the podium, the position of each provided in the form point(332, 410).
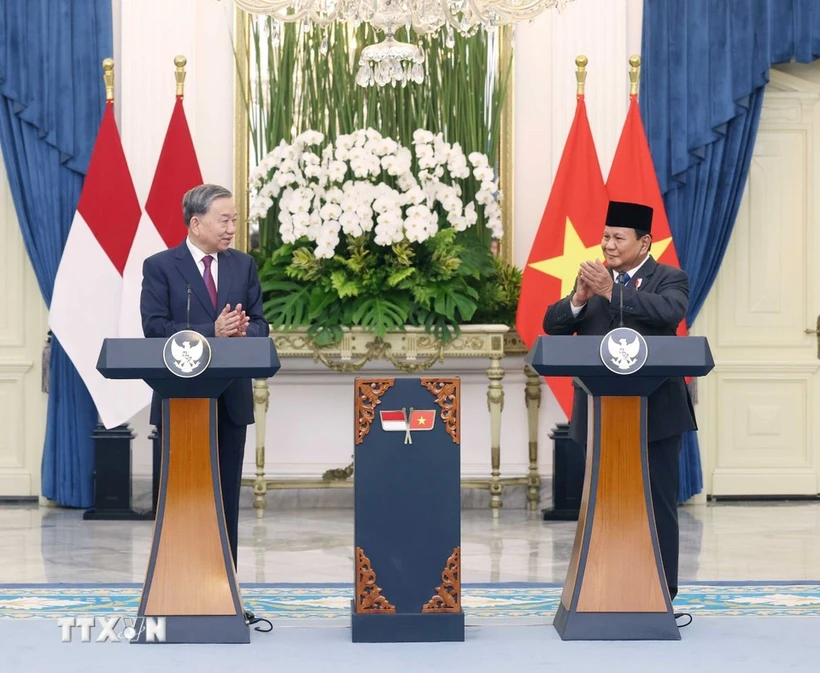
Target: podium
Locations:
point(190, 579)
point(615, 587)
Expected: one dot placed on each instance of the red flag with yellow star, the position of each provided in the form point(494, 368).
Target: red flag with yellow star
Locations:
point(632, 178)
point(569, 233)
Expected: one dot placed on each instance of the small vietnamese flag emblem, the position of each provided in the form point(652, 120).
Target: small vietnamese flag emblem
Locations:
point(396, 421)
point(422, 420)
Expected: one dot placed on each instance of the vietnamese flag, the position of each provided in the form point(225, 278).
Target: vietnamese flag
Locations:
point(422, 420)
point(632, 178)
point(570, 233)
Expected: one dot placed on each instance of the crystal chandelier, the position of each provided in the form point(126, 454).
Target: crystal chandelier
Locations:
point(391, 61)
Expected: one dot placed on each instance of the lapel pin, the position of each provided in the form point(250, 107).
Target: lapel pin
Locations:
point(638, 282)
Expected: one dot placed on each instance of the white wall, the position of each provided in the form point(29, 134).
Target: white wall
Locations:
point(150, 33)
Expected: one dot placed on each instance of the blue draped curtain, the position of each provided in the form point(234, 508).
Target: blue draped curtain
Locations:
point(51, 103)
point(704, 68)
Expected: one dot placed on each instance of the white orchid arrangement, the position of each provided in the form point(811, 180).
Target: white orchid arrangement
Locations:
point(365, 183)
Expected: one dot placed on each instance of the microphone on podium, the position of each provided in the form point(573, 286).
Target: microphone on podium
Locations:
point(188, 309)
point(621, 306)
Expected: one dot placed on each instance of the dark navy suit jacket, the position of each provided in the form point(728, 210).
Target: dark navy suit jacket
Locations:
point(654, 309)
point(163, 305)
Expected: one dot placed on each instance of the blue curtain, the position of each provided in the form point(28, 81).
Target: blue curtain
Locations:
point(704, 68)
point(51, 103)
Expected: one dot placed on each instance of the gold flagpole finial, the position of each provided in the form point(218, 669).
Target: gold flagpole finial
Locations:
point(179, 62)
point(581, 73)
point(108, 78)
point(634, 74)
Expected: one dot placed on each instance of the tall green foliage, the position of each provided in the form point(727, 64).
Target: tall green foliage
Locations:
point(306, 80)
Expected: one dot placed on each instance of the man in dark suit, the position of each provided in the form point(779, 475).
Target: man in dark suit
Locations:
point(226, 302)
point(655, 298)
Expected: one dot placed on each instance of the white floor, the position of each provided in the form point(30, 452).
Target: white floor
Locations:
point(724, 541)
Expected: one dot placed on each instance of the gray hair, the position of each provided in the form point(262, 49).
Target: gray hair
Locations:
point(197, 201)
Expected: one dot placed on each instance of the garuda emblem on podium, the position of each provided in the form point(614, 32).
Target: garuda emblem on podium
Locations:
point(187, 354)
point(624, 351)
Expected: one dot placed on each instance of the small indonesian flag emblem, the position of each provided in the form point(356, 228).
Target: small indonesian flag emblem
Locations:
point(396, 421)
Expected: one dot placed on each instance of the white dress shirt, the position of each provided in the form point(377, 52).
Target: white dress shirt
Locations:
point(576, 310)
point(198, 256)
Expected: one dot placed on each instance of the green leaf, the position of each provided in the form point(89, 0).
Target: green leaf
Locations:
point(381, 314)
point(325, 335)
point(400, 275)
point(304, 265)
point(320, 301)
point(288, 309)
point(344, 286)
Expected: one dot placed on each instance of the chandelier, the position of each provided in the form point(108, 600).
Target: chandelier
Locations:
point(391, 61)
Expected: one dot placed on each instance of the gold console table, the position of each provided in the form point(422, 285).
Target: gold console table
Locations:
point(410, 351)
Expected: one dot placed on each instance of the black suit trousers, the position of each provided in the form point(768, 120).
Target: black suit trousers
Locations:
point(231, 450)
point(664, 483)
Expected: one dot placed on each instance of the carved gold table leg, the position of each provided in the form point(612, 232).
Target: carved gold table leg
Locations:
point(495, 403)
point(532, 396)
point(261, 398)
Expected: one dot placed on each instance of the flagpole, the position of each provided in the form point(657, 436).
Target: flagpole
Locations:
point(581, 73)
point(180, 62)
point(567, 461)
point(108, 79)
point(634, 74)
point(112, 447)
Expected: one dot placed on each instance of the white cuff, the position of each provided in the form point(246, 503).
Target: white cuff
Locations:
point(576, 310)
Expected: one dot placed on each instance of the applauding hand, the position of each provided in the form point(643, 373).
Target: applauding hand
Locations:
point(597, 278)
point(231, 323)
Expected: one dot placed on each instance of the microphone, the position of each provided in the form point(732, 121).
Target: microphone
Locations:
point(621, 307)
point(188, 309)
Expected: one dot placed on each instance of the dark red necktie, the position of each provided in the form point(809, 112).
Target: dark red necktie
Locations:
point(209, 279)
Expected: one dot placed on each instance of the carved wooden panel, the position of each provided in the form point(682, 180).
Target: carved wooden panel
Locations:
point(447, 597)
point(763, 302)
point(13, 263)
point(448, 398)
point(368, 393)
point(369, 596)
point(12, 446)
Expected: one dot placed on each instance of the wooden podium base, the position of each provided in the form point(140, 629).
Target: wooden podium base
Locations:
point(191, 579)
point(615, 587)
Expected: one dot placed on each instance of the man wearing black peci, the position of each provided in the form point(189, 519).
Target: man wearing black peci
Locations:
point(654, 298)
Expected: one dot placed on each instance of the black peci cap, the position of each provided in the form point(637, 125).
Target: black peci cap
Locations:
point(629, 215)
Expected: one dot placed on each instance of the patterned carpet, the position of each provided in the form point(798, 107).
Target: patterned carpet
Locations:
point(483, 603)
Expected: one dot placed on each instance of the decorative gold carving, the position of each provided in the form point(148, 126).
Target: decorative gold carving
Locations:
point(466, 342)
point(368, 595)
point(338, 473)
point(448, 594)
point(514, 344)
point(368, 392)
point(378, 349)
point(447, 392)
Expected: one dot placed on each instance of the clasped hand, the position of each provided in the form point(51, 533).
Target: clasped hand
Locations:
point(231, 323)
point(593, 279)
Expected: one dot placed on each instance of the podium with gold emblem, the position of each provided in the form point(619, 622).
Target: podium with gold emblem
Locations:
point(190, 578)
point(615, 587)
point(407, 539)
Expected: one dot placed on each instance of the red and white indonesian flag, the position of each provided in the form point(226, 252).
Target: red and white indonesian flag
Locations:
point(162, 225)
point(396, 421)
point(85, 306)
